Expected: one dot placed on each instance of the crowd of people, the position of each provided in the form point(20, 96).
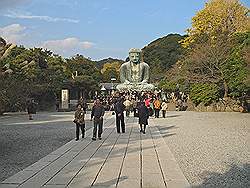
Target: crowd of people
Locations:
point(140, 104)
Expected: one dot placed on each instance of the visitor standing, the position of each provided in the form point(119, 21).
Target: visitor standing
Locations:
point(143, 117)
point(98, 112)
point(127, 104)
point(79, 121)
point(164, 108)
point(157, 107)
point(31, 108)
point(119, 111)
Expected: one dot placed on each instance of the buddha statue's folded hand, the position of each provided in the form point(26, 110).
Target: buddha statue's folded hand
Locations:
point(144, 82)
point(127, 82)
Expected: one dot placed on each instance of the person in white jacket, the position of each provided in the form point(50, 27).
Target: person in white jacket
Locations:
point(127, 104)
point(164, 107)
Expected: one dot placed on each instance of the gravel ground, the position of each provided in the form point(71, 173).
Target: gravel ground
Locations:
point(212, 149)
point(23, 142)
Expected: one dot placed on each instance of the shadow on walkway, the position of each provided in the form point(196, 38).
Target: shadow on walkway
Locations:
point(165, 130)
point(110, 183)
point(236, 176)
point(172, 116)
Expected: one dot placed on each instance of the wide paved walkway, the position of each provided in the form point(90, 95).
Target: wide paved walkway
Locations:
point(128, 160)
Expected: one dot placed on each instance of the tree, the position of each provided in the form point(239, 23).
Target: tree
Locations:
point(37, 73)
point(215, 41)
point(111, 70)
point(162, 54)
point(82, 74)
point(219, 17)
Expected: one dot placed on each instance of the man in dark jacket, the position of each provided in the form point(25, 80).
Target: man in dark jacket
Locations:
point(98, 113)
point(119, 109)
point(143, 116)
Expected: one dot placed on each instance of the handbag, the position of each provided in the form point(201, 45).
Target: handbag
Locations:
point(150, 111)
point(136, 113)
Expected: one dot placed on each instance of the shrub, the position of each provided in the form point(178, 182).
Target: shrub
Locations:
point(204, 93)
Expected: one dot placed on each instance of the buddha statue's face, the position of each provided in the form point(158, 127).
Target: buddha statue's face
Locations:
point(134, 57)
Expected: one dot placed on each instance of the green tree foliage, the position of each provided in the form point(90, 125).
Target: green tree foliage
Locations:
point(161, 54)
point(37, 73)
point(216, 44)
point(111, 70)
point(13, 93)
point(204, 93)
point(236, 68)
point(100, 64)
point(82, 73)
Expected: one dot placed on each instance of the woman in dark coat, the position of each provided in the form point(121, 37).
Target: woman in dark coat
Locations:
point(143, 113)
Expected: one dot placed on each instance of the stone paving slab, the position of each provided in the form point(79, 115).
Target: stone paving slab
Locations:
point(124, 160)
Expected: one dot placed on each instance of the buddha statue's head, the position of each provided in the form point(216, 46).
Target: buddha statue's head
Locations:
point(135, 55)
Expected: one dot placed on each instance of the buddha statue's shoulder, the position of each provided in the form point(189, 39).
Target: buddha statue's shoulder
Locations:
point(144, 64)
point(125, 65)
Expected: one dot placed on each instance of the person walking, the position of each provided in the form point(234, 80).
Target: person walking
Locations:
point(98, 112)
point(79, 121)
point(143, 117)
point(31, 108)
point(119, 109)
point(164, 108)
point(157, 107)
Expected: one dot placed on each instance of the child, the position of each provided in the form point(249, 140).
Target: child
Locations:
point(79, 121)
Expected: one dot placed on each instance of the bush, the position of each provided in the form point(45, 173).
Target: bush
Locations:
point(205, 93)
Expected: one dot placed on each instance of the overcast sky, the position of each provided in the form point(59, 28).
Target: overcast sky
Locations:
point(94, 28)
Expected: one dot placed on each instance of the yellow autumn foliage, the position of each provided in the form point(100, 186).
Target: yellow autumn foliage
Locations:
point(113, 65)
point(218, 17)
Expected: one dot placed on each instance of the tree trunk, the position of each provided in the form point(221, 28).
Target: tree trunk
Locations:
point(225, 89)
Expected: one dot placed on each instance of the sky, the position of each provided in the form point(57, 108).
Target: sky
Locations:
point(94, 28)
